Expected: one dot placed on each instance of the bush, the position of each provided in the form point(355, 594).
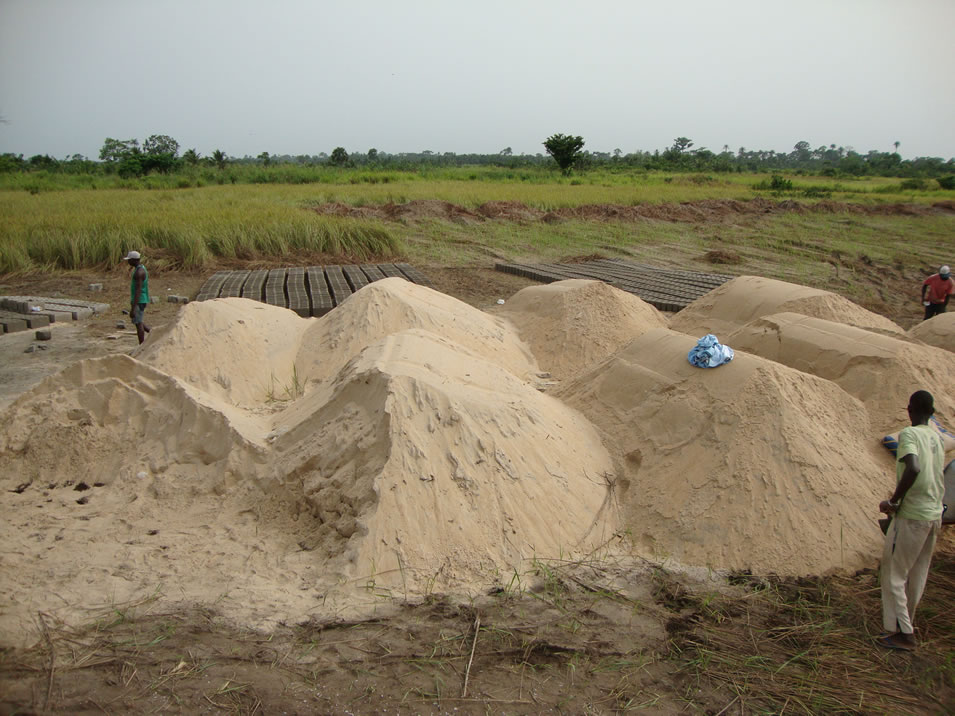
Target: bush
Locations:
point(777, 183)
point(947, 183)
point(913, 185)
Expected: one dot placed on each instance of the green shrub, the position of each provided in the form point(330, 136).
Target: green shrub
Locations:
point(917, 184)
point(947, 183)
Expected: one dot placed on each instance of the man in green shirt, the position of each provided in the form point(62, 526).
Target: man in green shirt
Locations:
point(916, 510)
point(138, 294)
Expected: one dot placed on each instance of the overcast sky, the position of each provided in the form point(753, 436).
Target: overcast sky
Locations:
point(305, 76)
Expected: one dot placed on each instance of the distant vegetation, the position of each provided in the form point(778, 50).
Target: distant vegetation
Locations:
point(158, 155)
point(77, 213)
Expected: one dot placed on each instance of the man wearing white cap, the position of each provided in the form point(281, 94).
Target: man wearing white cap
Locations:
point(935, 292)
point(138, 294)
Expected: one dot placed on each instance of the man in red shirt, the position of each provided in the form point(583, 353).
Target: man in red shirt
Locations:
point(935, 292)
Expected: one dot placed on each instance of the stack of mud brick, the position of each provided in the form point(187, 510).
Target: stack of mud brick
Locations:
point(19, 313)
point(310, 291)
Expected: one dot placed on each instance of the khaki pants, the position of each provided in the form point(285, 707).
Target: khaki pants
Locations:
point(905, 561)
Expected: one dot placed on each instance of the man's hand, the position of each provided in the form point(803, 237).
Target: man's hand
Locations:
point(888, 508)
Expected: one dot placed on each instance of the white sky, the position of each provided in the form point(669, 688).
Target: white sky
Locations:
point(302, 77)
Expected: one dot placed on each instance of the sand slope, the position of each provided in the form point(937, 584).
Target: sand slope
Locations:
point(879, 370)
point(746, 298)
point(572, 325)
point(419, 464)
point(241, 351)
point(938, 331)
point(751, 465)
point(393, 304)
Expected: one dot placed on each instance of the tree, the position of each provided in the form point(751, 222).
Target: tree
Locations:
point(265, 158)
point(339, 157)
point(565, 149)
point(681, 144)
point(191, 157)
point(114, 150)
point(219, 157)
point(43, 161)
point(372, 155)
point(158, 144)
point(506, 152)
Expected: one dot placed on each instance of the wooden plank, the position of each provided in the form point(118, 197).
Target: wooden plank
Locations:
point(275, 288)
point(322, 301)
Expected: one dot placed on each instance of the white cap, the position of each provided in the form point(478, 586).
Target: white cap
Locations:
point(944, 271)
point(131, 255)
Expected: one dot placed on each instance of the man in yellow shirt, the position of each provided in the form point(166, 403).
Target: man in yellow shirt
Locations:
point(916, 510)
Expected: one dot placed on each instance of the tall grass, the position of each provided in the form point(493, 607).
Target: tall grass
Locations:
point(191, 226)
point(76, 229)
point(541, 186)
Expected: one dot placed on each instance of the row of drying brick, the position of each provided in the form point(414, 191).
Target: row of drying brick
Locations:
point(312, 291)
point(665, 289)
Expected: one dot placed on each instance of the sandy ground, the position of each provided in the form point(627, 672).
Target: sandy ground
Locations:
point(639, 608)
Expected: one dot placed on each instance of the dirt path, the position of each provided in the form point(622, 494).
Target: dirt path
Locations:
point(709, 210)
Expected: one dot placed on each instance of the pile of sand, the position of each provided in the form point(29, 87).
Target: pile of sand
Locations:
point(240, 351)
point(572, 325)
point(746, 298)
point(938, 331)
point(751, 465)
point(879, 370)
point(287, 468)
point(411, 463)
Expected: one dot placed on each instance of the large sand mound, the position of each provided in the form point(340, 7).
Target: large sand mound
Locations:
point(238, 350)
point(749, 465)
point(393, 304)
point(746, 298)
point(419, 465)
point(879, 370)
point(573, 325)
point(938, 331)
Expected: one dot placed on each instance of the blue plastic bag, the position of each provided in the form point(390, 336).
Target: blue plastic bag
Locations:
point(709, 353)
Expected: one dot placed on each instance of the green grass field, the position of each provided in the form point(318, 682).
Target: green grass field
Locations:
point(69, 228)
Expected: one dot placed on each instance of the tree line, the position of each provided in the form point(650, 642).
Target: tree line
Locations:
point(160, 153)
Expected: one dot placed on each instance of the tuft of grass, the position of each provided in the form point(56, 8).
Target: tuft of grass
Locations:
point(189, 227)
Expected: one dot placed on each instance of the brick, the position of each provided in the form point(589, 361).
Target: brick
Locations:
point(210, 289)
point(13, 325)
point(355, 277)
point(275, 288)
point(337, 285)
point(297, 294)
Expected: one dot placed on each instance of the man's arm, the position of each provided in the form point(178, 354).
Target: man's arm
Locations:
point(911, 471)
point(925, 288)
point(137, 283)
